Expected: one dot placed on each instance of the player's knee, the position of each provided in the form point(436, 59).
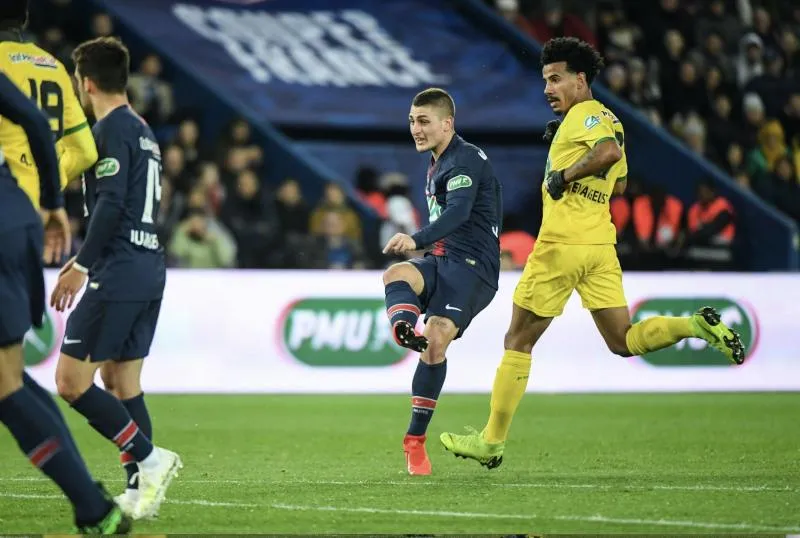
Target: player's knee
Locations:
point(618, 346)
point(70, 384)
point(10, 370)
point(439, 332)
point(404, 272)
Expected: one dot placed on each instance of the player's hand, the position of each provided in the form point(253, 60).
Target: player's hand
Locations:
point(67, 288)
point(550, 130)
point(399, 244)
point(555, 184)
point(67, 266)
point(57, 235)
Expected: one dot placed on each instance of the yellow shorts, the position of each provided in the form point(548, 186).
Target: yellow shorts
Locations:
point(553, 270)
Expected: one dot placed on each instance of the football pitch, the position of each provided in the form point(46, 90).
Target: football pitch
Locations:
point(698, 463)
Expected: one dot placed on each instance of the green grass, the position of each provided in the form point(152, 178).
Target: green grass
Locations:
point(723, 463)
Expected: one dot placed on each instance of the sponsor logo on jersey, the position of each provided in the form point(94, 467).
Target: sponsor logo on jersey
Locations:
point(459, 182)
point(591, 121)
point(39, 60)
point(340, 332)
point(39, 344)
point(106, 167)
point(694, 351)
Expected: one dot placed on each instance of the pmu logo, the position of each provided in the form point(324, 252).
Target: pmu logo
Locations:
point(694, 351)
point(39, 344)
point(339, 332)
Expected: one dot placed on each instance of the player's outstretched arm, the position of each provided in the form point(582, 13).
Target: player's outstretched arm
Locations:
point(17, 108)
point(461, 191)
point(597, 160)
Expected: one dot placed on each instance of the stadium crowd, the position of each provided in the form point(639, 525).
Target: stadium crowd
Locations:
point(722, 76)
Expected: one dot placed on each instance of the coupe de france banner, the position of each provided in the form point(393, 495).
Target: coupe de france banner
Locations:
point(348, 63)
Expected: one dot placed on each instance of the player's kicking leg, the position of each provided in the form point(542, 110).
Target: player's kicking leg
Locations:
point(404, 283)
point(425, 389)
point(487, 446)
point(658, 332)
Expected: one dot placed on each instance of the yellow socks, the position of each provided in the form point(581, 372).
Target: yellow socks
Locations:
point(509, 386)
point(657, 332)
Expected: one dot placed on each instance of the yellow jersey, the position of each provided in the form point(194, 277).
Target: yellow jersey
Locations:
point(46, 82)
point(582, 215)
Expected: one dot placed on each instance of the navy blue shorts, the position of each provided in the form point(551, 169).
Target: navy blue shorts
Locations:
point(110, 330)
point(22, 291)
point(452, 290)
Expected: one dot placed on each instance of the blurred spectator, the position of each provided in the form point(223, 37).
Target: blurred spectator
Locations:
point(641, 91)
point(342, 251)
point(717, 21)
point(516, 241)
point(771, 86)
point(401, 217)
point(291, 208)
point(711, 230)
point(790, 48)
point(686, 94)
point(239, 137)
point(151, 97)
point(249, 214)
point(694, 134)
point(334, 200)
point(722, 131)
point(235, 161)
point(187, 139)
point(369, 191)
point(750, 63)
point(790, 119)
point(617, 37)
point(617, 80)
point(761, 161)
point(60, 14)
point(667, 17)
point(101, 26)
point(53, 41)
point(716, 56)
point(170, 209)
point(509, 10)
point(762, 27)
point(554, 22)
point(669, 60)
point(786, 186)
point(175, 171)
point(657, 219)
point(507, 261)
point(209, 181)
point(734, 160)
point(754, 118)
point(196, 245)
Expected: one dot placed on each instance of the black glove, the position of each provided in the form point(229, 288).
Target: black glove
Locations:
point(555, 184)
point(550, 130)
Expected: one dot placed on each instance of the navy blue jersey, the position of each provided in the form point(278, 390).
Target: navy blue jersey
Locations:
point(122, 193)
point(16, 210)
point(466, 209)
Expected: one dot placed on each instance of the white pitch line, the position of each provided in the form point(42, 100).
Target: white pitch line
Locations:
point(411, 482)
point(465, 515)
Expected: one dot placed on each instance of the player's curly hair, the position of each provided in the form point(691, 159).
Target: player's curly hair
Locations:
point(580, 56)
